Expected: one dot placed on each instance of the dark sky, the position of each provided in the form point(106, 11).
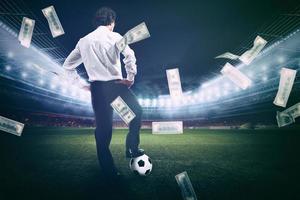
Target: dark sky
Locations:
point(185, 34)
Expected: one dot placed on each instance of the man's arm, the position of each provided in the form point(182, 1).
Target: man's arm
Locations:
point(70, 65)
point(130, 63)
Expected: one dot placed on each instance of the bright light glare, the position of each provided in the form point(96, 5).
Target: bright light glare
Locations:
point(24, 74)
point(10, 54)
point(41, 82)
point(147, 102)
point(7, 67)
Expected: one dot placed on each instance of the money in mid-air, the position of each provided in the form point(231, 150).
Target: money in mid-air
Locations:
point(123, 110)
point(136, 34)
point(251, 54)
point(11, 126)
point(26, 32)
point(287, 77)
point(167, 127)
point(237, 77)
point(248, 56)
point(174, 83)
point(228, 55)
point(288, 116)
point(186, 186)
point(53, 21)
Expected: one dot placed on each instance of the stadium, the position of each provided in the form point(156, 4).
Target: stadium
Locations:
point(232, 145)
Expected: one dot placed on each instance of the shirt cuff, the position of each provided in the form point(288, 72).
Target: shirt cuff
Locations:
point(130, 76)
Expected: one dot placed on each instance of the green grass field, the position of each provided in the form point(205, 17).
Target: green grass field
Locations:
point(61, 163)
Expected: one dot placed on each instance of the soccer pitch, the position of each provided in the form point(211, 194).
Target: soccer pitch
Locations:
point(61, 163)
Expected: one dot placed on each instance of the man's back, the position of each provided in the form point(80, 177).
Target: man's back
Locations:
point(99, 54)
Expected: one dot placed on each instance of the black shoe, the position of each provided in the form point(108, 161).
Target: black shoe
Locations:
point(134, 154)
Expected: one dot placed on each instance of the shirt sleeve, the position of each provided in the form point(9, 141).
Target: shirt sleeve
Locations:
point(130, 63)
point(71, 63)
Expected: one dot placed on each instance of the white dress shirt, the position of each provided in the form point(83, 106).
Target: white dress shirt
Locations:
point(101, 58)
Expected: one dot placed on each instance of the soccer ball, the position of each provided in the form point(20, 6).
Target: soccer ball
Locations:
point(141, 165)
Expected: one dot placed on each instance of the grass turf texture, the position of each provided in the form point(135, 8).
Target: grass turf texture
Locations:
point(61, 163)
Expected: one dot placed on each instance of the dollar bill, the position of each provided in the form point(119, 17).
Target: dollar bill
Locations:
point(53, 21)
point(26, 31)
point(284, 119)
point(288, 116)
point(169, 127)
point(11, 126)
point(174, 83)
point(186, 186)
point(287, 77)
point(294, 111)
point(136, 34)
point(237, 77)
point(248, 56)
point(228, 55)
point(251, 54)
point(123, 110)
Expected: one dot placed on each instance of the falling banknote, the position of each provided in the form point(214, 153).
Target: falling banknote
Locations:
point(236, 76)
point(287, 77)
point(53, 21)
point(250, 55)
point(138, 33)
point(174, 83)
point(186, 187)
point(123, 110)
point(11, 126)
point(288, 116)
point(228, 55)
point(26, 32)
point(167, 127)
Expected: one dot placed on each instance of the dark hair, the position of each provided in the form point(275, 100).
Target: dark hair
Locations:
point(104, 16)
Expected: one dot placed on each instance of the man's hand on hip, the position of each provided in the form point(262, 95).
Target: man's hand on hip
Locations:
point(86, 88)
point(125, 82)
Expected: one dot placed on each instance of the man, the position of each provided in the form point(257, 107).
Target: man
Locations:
point(101, 59)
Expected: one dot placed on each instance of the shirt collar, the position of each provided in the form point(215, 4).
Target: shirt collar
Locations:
point(103, 28)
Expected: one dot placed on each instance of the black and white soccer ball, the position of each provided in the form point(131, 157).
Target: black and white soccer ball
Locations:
point(141, 165)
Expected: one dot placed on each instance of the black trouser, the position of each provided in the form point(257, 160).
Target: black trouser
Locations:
point(103, 93)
